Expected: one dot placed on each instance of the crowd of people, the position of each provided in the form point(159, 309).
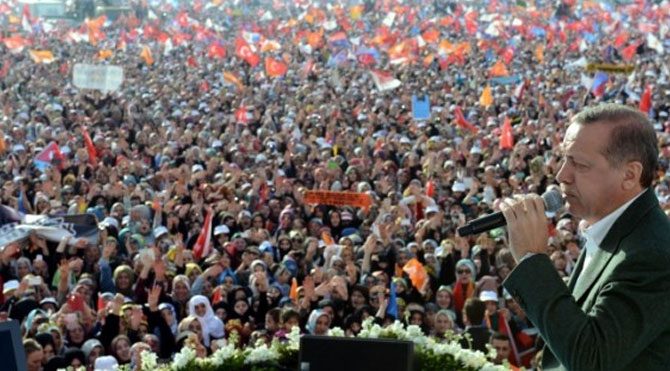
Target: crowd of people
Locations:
point(200, 138)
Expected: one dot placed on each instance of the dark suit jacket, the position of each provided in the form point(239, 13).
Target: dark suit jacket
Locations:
point(480, 335)
point(617, 317)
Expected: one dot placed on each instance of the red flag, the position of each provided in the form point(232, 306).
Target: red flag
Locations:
point(101, 302)
point(645, 101)
point(204, 86)
point(629, 52)
point(191, 62)
point(275, 68)
point(90, 148)
point(182, 19)
point(621, 39)
point(5, 68)
point(217, 296)
point(506, 135)
point(216, 50)
point(202, 245)
point(507, 54)
point(241, 115)
point(243, 50)
point(51, 154)
point(462, 122)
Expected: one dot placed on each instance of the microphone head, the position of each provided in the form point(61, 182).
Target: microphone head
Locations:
point(553, 200)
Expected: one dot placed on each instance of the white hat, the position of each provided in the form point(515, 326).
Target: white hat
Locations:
point(9, 286)
point(106, 363)
point(432, 209)
point(221, 229)
point(488, 296)
point(109, 222)
point(160, 231)
point(458, 187)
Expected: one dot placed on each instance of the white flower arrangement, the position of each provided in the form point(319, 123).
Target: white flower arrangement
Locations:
point(447, 355)
point(261, 354)
point(223, 354)
point(336, 331)
point(149, 360)
point(181, 359)
point(294, 338)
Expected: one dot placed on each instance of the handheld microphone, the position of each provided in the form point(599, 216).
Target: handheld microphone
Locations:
point(553, 201)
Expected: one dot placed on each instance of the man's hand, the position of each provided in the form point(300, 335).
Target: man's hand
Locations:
point(526, 225)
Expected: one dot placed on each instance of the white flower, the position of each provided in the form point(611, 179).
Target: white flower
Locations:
point(294, 338)
point(336, 331)
point(261, 354)
point(181, 359)
point(222, 354)
point(149, 360)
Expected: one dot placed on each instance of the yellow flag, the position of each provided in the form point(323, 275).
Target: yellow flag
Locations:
point(539, 53)
point(486, 99)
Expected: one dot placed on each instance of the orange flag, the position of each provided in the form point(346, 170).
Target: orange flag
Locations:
point(327, 239)
point(3, 145)
point(416, 272)
point(486, 99)
point(499, 70)
point(506, 135)
point(293, 292)
point(104, 54)
point(431, 35)
point(539, 53)
point(275, 68)
point(42, 56)
point(146, 55)
point(231, 78)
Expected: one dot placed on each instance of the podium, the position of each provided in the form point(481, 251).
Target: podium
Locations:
point(11, 347)
point(329, 353)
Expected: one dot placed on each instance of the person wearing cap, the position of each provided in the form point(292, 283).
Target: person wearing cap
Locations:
point(221, 236)
point(611, 154)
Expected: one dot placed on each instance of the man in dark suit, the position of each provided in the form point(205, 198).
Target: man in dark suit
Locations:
point(478, 335)
point(613, 314)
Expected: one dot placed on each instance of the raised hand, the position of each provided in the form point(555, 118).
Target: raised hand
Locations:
point(154, 295)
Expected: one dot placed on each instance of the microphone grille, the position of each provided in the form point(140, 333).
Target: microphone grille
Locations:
point(553, 200)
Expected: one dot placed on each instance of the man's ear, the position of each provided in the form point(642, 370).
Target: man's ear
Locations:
point(632, 173)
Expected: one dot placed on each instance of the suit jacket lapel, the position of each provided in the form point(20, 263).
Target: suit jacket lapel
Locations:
point(621, 228)
point(577, 270)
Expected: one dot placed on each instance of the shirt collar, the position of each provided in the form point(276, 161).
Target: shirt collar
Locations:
point(596, 233)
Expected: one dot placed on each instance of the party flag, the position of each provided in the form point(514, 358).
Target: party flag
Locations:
point(416, 272)
point(90, 148)
point(486, 99)
point(202, 245)
point(392, 307)
point(293, 292)
point(384, 80)
point(145, 54)
point(231, 78)
point(506, 135)
point(645, 101)
point(275, 68)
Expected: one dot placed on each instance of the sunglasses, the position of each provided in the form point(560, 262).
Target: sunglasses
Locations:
point(463, 271)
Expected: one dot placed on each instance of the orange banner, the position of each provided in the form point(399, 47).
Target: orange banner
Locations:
point(416, 272)
point(338, 198)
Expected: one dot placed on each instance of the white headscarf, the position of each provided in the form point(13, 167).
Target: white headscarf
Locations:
point(212, 327)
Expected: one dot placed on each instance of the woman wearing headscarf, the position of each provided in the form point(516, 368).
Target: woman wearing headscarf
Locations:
point(212, 326)
point(318, 322)
point(464, 287)
point(181, 288)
